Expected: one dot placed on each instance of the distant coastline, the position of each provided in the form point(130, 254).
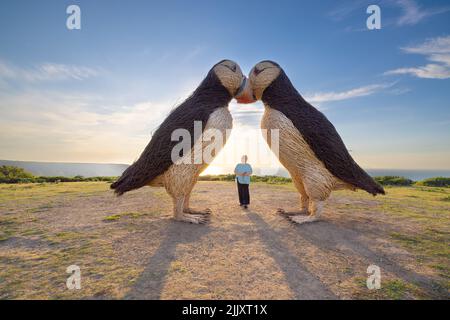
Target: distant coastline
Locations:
point(38, 168)
point(64, 169)
point(413, 174)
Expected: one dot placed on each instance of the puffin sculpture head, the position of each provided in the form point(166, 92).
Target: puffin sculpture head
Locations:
point(231, 77)
point(262, 75)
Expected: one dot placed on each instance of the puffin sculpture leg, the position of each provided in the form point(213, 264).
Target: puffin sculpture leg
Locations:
point(188, 209)
point(181, 215)
point(304, 201)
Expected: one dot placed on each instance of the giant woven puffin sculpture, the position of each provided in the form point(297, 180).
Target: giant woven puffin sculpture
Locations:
point(155, 167)
point(309, 146)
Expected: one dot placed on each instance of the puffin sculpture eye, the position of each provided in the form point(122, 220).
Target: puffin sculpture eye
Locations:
point(258, 71)
point(232, 68)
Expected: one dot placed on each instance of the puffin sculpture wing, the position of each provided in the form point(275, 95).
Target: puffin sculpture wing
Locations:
point(156, 157)
point(319, 133)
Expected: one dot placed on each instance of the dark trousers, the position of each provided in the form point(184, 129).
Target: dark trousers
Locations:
point(244, 194)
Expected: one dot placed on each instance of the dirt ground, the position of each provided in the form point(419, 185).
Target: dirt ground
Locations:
point(130, 248)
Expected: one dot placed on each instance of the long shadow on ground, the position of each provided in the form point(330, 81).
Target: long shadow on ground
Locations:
point(304, 285)
point(151, 281)
point(329, 236)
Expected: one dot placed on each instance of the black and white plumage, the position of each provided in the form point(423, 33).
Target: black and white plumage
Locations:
point(309, 147)
point(207, 104)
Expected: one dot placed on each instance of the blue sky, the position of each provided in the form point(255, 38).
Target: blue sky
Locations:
point(96, 94)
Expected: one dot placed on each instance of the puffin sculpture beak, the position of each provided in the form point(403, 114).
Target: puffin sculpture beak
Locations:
point(245, 93)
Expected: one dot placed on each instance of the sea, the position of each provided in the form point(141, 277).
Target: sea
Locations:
point(413, 174)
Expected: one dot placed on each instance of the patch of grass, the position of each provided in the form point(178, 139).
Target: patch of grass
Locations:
point(429, 243)
point(30, 274)
point(435, 182)
point(395, 289)
point(431, 189)
point(31, 192)
point(391, 289)
point(405, 239)
point(68, 235)
point(393, 181)
point(254, 178)
point(444, 268)
point(446, 199)
point(4, 236)
point(31, 232)
point(118, 216)
point(8, 228)
point(112, 217)
point(41, 208)
point(347, 270)
point(177, 266)
point(159, 193)
point(430, 247)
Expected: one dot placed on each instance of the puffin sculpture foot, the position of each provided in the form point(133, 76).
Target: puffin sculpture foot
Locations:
point(291, 213)
point(193, 218)
point(315, 209)
point(303, 219)
point(205, 212)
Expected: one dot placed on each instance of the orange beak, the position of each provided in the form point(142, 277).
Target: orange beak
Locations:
point(245, 92)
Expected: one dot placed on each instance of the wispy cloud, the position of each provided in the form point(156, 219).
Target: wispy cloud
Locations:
point(413, 13)
point(251, 114)
point(45, 72)
point(439, 45)
point(349, 94)
point(436, 50)
point(429, 71)
point(343, 11)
